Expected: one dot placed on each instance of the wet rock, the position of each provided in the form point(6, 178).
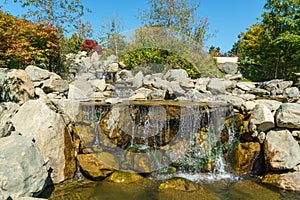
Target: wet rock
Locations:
point(22, 171)
point(245, 156)
point(17, 87)
point(248, 190)
point(288, 116)
point(49, 131)
point(178, 184)
point(262, 118)
point(97, 166)
point(124, 177)
point(287, 181)
point(282, 152)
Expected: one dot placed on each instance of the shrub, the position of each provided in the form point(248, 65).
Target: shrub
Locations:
point(91, 46)
point(23, 43)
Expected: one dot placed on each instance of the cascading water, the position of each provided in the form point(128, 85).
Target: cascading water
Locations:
point(189, 136)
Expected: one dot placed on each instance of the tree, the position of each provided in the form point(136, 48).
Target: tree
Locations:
point(274, 43)
point(179, 15)
point(111, 37)
point(23, 43)
point(62, 14)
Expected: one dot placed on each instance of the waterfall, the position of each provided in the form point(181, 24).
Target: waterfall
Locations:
point(188, 136)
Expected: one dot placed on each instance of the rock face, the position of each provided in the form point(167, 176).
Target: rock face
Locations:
point(23, 175)
point(48, 129)
point(7, 111)
point(288, 116)
point(282, 151)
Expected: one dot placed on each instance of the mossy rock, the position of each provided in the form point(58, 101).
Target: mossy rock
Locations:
point(181, 184)
point(124, 177)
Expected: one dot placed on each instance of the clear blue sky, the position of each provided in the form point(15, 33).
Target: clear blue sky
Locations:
point(228, 18)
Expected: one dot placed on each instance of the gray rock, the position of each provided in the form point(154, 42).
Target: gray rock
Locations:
point(258, 91)
point(55, 85)
point(246, 86)
point(176, 75)
point(235, 101)
point(123, 75)
point(276, 86)
point(201, 84)
point(272, 105)
point(262, 118)
point(17, 87)
point(113, 67)
point(7, 111)
point(99, 84)
point(194, 94)
point(228, 68)
point(219, 86)
point(49, 131)
point(37, 74)
point(22, 171)
point(291, 92)
point(288, 116)
point(282, 152)
point(138, 80)
point(157, 94)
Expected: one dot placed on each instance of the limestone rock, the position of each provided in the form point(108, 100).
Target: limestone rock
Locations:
point(287, 181)
point(138, 80)
point(272, 105)
point(22, 171)
point(37, 74)
point(7, 111)
point(246, 86)
point(49, 131)
point(228, 68)
point(262, 118)
point(219, 86)
point(282, 152)
point(97, 166)
point(99, 84)
point(55, 85)
point(276, 86)
point(291, 92)
point(288, 116)
point(17, 87)
point(176, 75)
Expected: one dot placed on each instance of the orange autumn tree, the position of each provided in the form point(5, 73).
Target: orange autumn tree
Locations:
point(23, 43)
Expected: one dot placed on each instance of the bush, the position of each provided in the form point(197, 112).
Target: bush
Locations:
point(23, 43)
point(158, 60)
point(91, 46)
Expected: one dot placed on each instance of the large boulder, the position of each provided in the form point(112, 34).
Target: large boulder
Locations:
point(282, 152)
point(229, 68)
point(16, 87)
point(37, 74)
point(176, 75)
point(288, 116)
point(276, 86)
point(262, 118)
point(44, 125)
point(22, 170)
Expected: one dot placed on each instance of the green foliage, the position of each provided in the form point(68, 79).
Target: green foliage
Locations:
point(72, 44)
point(23, 43)
point(157, 60)
point(157, 46)
point(273, 44)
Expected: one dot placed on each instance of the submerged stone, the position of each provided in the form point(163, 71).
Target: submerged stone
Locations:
point(124, 177)
point(178, 184)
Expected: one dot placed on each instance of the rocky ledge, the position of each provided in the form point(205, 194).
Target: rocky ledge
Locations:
point(41, 146)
